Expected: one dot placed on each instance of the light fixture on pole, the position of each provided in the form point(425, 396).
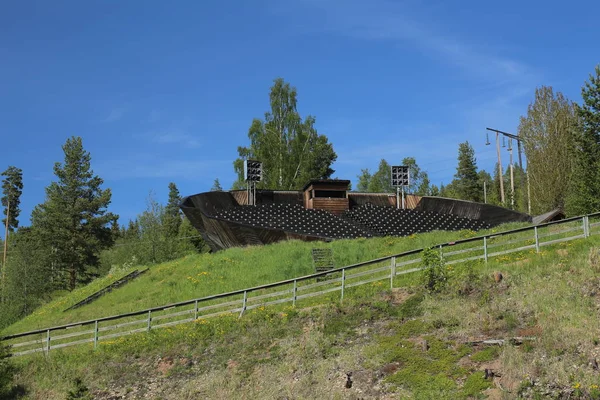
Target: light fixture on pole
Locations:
point(253, 173)
point(400, 178)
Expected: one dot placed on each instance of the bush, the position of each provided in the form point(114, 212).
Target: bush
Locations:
point(7, 371)
point(434, 275)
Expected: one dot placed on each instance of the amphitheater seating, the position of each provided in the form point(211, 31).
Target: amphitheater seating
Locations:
point(388, 221)
point(293, 218)
point(364, 221)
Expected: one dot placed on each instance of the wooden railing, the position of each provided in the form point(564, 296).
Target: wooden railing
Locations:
point(292, 291)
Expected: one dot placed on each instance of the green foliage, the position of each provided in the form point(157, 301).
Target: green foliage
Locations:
point(584, 190)
point(488, 354)
point(27, 285)
point(12, 188)
point(467, 183)
point(475, 384)
point(151, 238)
point(79, 391)
point(73, 223)
point(434, 275)
point(547, 133)
point(216, 187)
point(172, 212)
point(7, 371)
point(380, 181)
point(291, 150)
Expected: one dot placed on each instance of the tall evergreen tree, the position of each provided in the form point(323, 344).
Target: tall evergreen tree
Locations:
point(73, 222)
point(173, 212)
point(12, 188)
point(584, 193)
point(216, 187)
point(466, 182)
point(547, 133)
point(291, 150)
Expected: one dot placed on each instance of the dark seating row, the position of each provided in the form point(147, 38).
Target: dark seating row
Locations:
point(363, 221)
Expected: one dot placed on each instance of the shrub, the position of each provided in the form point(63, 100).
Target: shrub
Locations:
point(434, 275)
point(7, 371)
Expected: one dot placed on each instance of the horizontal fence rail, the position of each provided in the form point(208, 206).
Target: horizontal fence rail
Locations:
point(95, 331)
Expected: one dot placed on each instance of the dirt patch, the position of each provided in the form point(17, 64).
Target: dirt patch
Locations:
point(562, 252)
point(398, 296)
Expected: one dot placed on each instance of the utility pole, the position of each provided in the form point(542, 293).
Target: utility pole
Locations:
point(500, 168)
point(512, 181)
point(485, 192)
point(519, 140)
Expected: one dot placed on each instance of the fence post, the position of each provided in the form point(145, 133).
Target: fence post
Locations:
point(392, 272)
point(196, 309)
point(48, 342)
point(149, 320)
point(587, 225)
point(537, 239)
point(95, 334)
point(295, 292)
point(343, 282)
point(441, 253)
point(485, 255)
point(244, 303)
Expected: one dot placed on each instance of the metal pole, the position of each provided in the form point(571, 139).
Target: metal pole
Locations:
point(295, 293)
point(403, 202)
point(485, 253)
point(512, 182)
point(244, 304)
point(343, 282)
point(48, 342)
point(95, 334)
point(584, 227)
point(392, 272)
point(397, 197)
point(500, 168)
point(196, 309)
point(149, 320)
point(485, 192)
point(537, 239)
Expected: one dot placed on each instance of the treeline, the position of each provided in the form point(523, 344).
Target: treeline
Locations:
point(73, 238)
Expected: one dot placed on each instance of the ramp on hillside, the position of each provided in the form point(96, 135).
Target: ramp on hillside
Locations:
point(116, 284)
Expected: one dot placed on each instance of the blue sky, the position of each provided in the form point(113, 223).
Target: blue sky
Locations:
point(165, 91)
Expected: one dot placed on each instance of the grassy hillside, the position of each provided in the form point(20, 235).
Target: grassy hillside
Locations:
point(206, 274)
point(405, 343)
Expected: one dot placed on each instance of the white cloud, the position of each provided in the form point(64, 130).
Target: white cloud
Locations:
point(184, 139)
point(115, 114)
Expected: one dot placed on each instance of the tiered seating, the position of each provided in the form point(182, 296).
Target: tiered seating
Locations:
point(363, 221)
point(387, 221)
point(293, 218)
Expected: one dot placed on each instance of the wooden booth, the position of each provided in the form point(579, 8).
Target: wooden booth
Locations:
point(329, 195)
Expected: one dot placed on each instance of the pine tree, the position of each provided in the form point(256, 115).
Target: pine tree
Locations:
point(12, 188)
point(173, 212)
point(584, 193)
point(73, 222)
point(216, 187)
point(466, 182)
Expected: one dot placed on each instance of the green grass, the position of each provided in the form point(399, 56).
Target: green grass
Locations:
point(279, 352)
point(202, 275)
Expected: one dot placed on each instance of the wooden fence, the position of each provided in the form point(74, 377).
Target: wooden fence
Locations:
point(295, 290)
